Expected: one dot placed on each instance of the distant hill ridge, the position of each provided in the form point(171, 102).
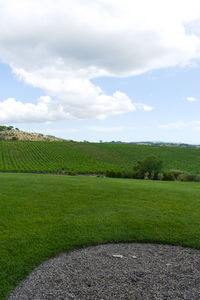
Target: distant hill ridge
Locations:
point(11, 133)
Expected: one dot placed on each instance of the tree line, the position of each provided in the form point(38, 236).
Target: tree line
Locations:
point(150, 168)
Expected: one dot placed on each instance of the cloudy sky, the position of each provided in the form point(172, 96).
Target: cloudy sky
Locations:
point(101, 69)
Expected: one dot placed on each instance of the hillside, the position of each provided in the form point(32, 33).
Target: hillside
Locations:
point(43, 156)
point(89, 158)
point(125, 155)
point(11, 133)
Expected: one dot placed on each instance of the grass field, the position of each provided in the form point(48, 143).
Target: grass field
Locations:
point(43, 215)
point(86, 158)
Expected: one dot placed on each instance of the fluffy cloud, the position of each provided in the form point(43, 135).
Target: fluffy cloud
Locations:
point(63, 108)
point(60, 45)
point(191, 99)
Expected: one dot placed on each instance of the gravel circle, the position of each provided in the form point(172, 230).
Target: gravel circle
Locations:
point(116, 271)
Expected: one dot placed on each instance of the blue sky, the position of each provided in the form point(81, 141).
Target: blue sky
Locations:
point(136, 81)
point(166, 91)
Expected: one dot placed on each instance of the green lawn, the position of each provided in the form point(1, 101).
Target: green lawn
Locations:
point(43, 215)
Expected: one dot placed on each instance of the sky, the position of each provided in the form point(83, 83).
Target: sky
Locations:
point(101, 69)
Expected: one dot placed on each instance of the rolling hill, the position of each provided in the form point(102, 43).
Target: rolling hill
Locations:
point(13, 134)
point(89, 158)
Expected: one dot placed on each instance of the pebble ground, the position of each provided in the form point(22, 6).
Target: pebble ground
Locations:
point(116, 271)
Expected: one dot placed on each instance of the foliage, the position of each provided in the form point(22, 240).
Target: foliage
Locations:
point(128, 174)
point(186, 177)
point(176, 173)
point(114, 174)
point(2, 128)
point(197, 178)
point(44, 215)
point(160, 176)
point(168, 176)
point(10, 128)
point(148, 168)
point(14, 138)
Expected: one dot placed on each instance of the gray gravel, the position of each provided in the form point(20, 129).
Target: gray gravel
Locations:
point(116, 271)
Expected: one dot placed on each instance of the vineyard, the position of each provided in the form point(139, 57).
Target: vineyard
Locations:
point(28, 156)
point(125, 155)
point(88, 158)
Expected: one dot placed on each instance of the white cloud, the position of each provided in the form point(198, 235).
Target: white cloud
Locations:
point(96, 106)
point(191, 99)
point(60, 45)
point(174, 125)
point(142, 106)
point(16, 111)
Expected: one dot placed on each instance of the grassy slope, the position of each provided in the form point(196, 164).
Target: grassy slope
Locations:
point(125, 155)
point(40, 156)
point(43, 215)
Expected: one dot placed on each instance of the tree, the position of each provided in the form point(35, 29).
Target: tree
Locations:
point(10, 127)
point(2, 128)
point(151, 165)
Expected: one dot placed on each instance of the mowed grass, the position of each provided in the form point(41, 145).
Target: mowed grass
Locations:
point(43, 215)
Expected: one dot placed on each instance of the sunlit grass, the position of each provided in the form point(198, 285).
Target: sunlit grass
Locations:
point(43, 215)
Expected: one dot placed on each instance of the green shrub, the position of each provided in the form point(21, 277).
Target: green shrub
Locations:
point(191, 177)
point(160, 176)
point(151, 165)
point(110, 173)
point(197, 178)
point(119, 174)
point(183, 177)
point(176, 173)
point(187, 177)
point(128, 175)
point(168, 176)
point(114, 174)
point(14, 138)
point(71, 173)
point(2, 128)
point(134, 175)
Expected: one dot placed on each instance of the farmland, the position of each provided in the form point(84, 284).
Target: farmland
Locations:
point(47, 157)
point(88, 158)
point(42, 215)
point(125, 155)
